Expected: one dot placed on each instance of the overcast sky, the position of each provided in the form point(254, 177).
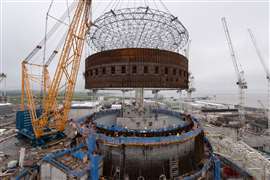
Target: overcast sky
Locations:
point(22, 27)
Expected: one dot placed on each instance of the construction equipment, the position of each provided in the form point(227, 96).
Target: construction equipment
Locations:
point(263, 106)
point(27, 65)
point(191, 87)
point(241, 82)
point(267, 72)
point(3, 78)
point(50, 120)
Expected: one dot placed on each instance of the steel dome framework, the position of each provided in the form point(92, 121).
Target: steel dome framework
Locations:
point(140, 27)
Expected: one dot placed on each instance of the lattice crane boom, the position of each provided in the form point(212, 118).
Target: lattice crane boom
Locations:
point(66, 71)
point(241, 83)
point(266, 69)
point(54, 116)
point(27, 61)
point(254, 42)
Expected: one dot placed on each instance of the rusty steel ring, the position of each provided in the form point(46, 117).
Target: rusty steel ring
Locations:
point(136, 68)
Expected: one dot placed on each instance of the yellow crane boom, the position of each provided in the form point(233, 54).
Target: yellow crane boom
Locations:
point(53, 116)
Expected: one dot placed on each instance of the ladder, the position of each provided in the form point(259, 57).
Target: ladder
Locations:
point(174, 168)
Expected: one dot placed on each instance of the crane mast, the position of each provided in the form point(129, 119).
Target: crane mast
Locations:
point(241, 83)
point(27, 61)
point(266, 69)
point(191, 87)
point(67, 68)
point(54, 116)
point(3, 95)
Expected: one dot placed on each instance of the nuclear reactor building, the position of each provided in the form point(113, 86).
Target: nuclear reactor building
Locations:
point(137, 48)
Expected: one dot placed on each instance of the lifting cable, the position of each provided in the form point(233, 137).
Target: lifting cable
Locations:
point(145, 3)
point(46, 29)
point(44, 50)
point(68, 12)
point(155, 4)
point(107, 7)
point(164, 6)
point(56, 50)
point(116, 4)
point(52, 30)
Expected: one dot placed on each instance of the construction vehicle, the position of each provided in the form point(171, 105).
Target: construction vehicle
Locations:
point(47, 121)
point(267, 72)
point(241, 82)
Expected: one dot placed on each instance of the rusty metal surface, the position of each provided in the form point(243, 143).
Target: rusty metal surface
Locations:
point(136, 68)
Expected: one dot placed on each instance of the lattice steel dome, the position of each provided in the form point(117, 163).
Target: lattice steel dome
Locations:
point(140, 27)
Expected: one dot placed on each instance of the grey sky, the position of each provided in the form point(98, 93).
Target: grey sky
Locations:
point(210, 61)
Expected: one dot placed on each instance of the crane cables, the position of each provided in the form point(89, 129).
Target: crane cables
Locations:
point(118, 4)
point(54, 28)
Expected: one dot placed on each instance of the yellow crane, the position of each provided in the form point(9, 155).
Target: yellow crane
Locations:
point(54, 116)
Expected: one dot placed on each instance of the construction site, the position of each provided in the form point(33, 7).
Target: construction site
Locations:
point(122, 126)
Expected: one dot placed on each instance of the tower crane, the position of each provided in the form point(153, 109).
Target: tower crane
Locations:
point(263, 106)
point(266, 69)
point(2, 76)
point(191, 87)
point(3, 95)
point(241, 82)
point(53, 116)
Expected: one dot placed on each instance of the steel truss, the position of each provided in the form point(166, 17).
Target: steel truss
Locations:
point(139, 27)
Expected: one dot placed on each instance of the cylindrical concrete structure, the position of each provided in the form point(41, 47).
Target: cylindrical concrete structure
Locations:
point(171, 151)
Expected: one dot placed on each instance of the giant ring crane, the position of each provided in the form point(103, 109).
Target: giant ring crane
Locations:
point(52, 117)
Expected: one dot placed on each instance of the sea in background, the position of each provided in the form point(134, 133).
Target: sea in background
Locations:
point(227, 98)
point(252, 99)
